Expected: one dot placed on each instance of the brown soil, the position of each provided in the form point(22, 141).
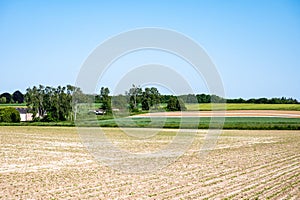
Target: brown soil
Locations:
point(51, 163)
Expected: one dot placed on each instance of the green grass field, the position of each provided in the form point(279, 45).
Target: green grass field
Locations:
point(243, 106)
point(20, 105)
point(246, 123)
point(250, 123)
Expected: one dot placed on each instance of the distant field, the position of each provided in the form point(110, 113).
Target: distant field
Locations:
point(52, 163)
point(264, 123)
point(256, 121)
point(245, 123)
point(250, 123)
point(13, 105)
point(243, 106)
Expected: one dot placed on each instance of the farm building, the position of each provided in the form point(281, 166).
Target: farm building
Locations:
point(24, 114)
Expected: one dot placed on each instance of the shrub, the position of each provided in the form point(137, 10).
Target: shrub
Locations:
point(175, 104)
point(48, 118)
point(9, 115)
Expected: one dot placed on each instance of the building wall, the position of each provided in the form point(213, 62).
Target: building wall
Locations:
point(23, 117)
point(26, 117)
point(29, 116)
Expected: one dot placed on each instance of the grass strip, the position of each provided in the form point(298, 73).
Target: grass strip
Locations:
point(243, 123)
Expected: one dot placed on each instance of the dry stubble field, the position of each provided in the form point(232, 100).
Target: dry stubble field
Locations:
point(51, 163)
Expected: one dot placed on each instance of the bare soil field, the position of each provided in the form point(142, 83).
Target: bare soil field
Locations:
point(228, 113)
point(52, 163)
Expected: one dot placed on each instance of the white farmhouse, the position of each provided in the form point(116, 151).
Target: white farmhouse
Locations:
point(24, 114)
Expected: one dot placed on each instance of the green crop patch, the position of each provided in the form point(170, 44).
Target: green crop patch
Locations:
point(251, 123)
point(241, 106)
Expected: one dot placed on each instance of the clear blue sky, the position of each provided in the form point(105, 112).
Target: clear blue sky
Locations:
point(254, 44)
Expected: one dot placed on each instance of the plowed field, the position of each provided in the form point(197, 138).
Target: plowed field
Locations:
point(52, 163)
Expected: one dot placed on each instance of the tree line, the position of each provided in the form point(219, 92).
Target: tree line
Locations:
point(60, 103)
point(53, 104)
point(18, 97)
point(137, 99)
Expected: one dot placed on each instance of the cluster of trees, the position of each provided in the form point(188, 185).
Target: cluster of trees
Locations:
point(16, 97)
point(59, 104)
point(175, 104)
point(202, 98)
point(105, 100)
point(137, 98)
point(55, 104)
point(133, 99)
point(148, 98)
point(52, 104)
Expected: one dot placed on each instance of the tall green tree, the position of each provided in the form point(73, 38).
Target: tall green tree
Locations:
point(146, 99)
point(35, 101)
point(50, 104)
point(105, 99)
point(134, 95)
point(76, 97)
point(150, 98)
point(60, 105)
point(155, 97)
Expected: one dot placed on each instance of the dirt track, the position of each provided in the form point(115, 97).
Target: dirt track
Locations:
point(230, 113)
point(51, 163)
